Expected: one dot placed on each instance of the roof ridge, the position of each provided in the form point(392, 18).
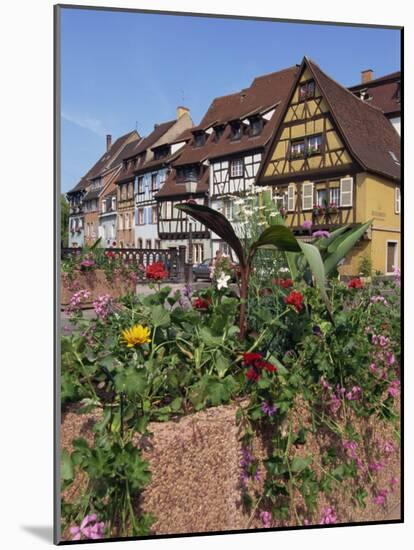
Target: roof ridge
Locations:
point(274, 72)
point(388, 76)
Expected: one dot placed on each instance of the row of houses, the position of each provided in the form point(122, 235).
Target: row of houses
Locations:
point(331, 155)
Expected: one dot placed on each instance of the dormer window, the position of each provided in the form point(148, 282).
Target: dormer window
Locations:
point(187, 173)
point(307, 90)
point(236, 130)
point(256, 125)
point(218, 131)
point(199, 139)
point(161, 152)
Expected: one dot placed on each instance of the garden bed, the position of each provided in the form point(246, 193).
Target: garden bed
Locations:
point(195, 465)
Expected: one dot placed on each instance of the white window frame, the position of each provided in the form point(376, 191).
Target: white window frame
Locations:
point(237, 168)
point(307, 185)
point(141, 220)
point(154, 219)
point(342, 203)
point(331, 190)
point(387, 242)
point(291, 200)
point(397, 200)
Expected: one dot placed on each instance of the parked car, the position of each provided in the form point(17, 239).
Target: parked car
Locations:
point(202, 271)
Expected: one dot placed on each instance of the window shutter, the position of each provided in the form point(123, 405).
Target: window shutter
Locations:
point(136, 216)
point(346, 191)
point(291, 197)
point(397, 200)
point(307, 195)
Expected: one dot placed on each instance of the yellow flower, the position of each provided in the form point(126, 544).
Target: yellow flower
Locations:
point(136, 336)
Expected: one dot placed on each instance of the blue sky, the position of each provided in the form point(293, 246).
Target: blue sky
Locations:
point(122, 70)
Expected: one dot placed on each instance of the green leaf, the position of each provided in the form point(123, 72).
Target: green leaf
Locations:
point(276, 236)
point(131, 382)
point(298, 463)
point(216, 222)
point(340, 247)
point(314, 259)
point(221, 364)
point(324, 243)
point(160, 317)
point(66, 466)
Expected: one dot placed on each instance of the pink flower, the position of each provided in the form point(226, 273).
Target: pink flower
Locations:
point(354, 394)
point(394, 388)
point(307, 224)
point(390, 357)
point(393, 483)
point(388, 447)
point(350, 448)
point(375, 466)
point(90, 528)
point(380, 497)
point(383, 341)
point(373, 368)
point(328, 516)
point(266, 518)
point(103, 306)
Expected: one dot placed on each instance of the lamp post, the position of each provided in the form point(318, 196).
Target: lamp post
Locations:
point(190, 187)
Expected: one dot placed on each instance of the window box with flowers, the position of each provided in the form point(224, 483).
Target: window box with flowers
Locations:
point(332, 208)
point(318, 210)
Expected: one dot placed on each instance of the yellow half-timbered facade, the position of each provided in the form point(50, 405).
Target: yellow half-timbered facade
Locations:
point(334, 160)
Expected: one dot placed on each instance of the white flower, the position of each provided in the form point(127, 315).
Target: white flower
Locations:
point(222, 281)
point(284, 270)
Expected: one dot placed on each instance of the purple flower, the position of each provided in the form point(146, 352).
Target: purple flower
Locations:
point(328, 516)
point(373, 368)
point(324, 384)
point(316, 329)
point(350, 448)
point(388, 447)
point(375, 466)
point(90, 528)
point(187, 291)
point(307, 224)
point(269, 409)
point(321, 233)
point(266, 518)
point(103, 306)
point(334, 404)
point(87, 263)
point(390, 357)
point(393, 483)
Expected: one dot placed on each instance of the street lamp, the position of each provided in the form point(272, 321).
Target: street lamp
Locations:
point(190, 187)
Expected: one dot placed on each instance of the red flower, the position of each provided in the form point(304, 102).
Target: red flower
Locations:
point(251, 358)
point(256, 363)
point(156, 271)
point(295, 299)
point(355, 283)
point(252, 375)
point(110, 254)
point(201, 303)
point(284, 283)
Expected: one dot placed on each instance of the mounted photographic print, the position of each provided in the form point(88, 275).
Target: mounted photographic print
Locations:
point(228, 193)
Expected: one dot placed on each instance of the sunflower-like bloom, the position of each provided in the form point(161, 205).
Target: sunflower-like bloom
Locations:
point(136, 336)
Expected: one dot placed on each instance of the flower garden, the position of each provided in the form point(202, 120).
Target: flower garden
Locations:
point(269, 402)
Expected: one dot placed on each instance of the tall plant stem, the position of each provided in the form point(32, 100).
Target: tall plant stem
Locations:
point(244, 289)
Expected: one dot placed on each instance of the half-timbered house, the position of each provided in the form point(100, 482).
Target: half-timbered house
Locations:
point(143, 174)
point(84, 197)
point(335, 159)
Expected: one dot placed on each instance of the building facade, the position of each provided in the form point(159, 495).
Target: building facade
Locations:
point(336, 160)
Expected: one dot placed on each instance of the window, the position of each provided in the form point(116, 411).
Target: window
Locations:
point(124, 192)
point(297, 149)
point(307, 195)
point(227, 208)
point(307, 90)
point(280, 199)
point(199, 139)
point(113, 204)
point(161, 152)
point(346, 186)
point(314, 145)
point(187, 173)
point(141, 184)
point(140, 216)
point(256, 125)
point(148, 243)
point(322, 197)
point(154, 216)
point(397, 200)
point(139, 243)
point(219, 131)
point(236, 130)
point(103, 206)
point(157, 244)
point(236, 168)
point(130, 190)
point(154, 183)
point(391, 256)
point(291, 197)
point(334, 196)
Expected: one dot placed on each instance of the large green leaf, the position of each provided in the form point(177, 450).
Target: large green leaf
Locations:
point(160, 317)
point(314, 259)
point(278, 236)
point(338, 250)
point(131, 382)
point(324, 243)
point(216, 222)
point(66, 467)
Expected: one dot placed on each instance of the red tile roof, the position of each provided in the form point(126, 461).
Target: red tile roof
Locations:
point(384, 92)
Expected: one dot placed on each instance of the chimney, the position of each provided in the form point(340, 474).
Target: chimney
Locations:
point(182, 111)
point(108, 141)
point(366, 75)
